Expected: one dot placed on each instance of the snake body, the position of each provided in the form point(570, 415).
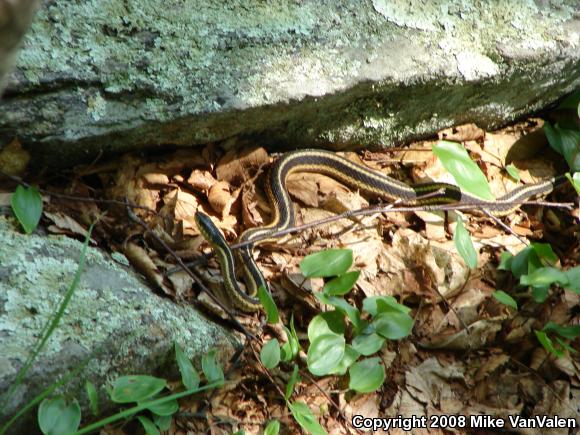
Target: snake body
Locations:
point(368, 181)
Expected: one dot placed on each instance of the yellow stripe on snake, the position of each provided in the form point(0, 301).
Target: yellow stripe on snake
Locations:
point(368, 182)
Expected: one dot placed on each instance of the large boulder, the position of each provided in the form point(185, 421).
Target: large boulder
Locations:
point(113, 319)
point(108, 76)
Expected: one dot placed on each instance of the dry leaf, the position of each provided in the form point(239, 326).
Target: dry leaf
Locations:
point(221, 198)
point(14, 159)
point(201, 180)
point(141, 261)
point(461, 133)
point(237, 166)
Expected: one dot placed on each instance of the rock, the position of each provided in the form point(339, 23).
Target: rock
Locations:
point(15, 17)
point(113, 319)
point(119, 75)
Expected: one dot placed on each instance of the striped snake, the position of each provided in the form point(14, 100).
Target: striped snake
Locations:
point(368, 181)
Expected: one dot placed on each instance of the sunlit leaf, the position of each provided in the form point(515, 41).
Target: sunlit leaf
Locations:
point(366, 376)
point(189, 375)
point(505, 299)
point(329, 322)
point(136, 388)
point(270, 354)
point(465, 171)
point(367, 344)
point(570, 332)
point(272, 428)
point(393, 326)
point(342, 284)
point(304, 417)
point(324, 353)
point(464, 245)
point(148, 425)
point(269, 305)
point(327, 263)
point(57, 417)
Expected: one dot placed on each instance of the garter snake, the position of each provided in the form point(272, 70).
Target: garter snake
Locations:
point(368, 181)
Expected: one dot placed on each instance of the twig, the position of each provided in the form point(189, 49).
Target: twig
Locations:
point(199, 282)
point(504, 226)
point(391, 208)
point(77, 198)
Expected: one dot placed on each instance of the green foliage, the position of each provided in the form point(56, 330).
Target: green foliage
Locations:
point(148, 425)
point(136, 388)
point(505, 299)
point(269, 305)
point(211, 368)
point(513, 172)
point(304, 417)
point(324, 264)
point(294, 379)
point(273, 428)
point(464, 245)
point(534, 267)
point(366, 375)
point(270, 354)
point(566, 142)
point(93, 397)
point(465, 171)
point(27, 207)
point(189, 375)
point(575, 180)
point(57, 417)
point(329, 351)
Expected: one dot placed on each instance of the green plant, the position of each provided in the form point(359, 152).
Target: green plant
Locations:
point(56, 415)
point(26, 204)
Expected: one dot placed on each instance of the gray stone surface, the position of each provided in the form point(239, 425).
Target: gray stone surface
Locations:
point(15, 17)
point(118, 75)
point(113, 318)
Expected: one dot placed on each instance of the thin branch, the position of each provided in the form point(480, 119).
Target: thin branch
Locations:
point(391, 208)
point(198, 280)
point(77, 198)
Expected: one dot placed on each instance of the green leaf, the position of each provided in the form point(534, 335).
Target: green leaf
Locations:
point(465, 171)
point(350, 356)
point(325, 353)
point(575, 181)
point(270, 354)
point(547, 344)
point(545, 253)
point(56, 417)
point(163, 422)
point(269, 305)
point(342, 284)
point(573, 276)
point(189, 375)
point(505, 261)
point(136, 388)
point(565, 345)
point(272, 428)
point(570, 332)
point(304, 417)
point(351, 312)
point(294, 378)
point(292, 346)
point(367, 344)
point(545, 276)
point(540, 293)
point(164, 409)
point(513, 172)
point(366, 376)
point(150, 428)
point(393, 326)
point(329, 322)
point(505, 299)
point(93, 397)
point(327, 263)
point(382, 304)
point(566, 142)
point(464, 245)
point(27, 207)
point(211, 368)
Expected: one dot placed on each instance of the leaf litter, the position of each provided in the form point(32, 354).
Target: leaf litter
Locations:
point(468, 354)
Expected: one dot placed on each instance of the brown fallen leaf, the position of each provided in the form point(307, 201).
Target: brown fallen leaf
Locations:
point(238, 165)
point(221, 198)
point(64, 224)
point(201, 180)
point(141, 261)
point(461, 133)
point(14, 159)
